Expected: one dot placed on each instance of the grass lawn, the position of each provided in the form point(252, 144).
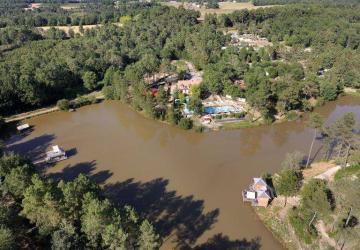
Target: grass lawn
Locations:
point(76, 29)
point(239, 124)
point(224, 7)
point(70, 6)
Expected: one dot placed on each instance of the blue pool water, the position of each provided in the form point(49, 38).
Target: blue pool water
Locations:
point(217, 110)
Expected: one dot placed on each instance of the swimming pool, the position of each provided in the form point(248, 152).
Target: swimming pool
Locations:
point(217, 110)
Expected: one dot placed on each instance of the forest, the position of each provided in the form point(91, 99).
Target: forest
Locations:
point(37, 69)
point(39, 213)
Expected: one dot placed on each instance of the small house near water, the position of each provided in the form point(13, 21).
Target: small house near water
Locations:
point(259, 193)
point(55, 155)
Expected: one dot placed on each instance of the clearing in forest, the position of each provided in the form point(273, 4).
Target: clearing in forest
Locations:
point(224, 7)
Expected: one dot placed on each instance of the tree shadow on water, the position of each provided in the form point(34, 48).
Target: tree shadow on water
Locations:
point(220, 241)
point(33, 149)
point(170, 213)
point(70, 172)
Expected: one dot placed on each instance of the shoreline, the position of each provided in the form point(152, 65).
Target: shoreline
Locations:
point(46, 110)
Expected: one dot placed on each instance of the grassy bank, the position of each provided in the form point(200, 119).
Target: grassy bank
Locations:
point(18, 117)
point(239, 124)
point(278, 226)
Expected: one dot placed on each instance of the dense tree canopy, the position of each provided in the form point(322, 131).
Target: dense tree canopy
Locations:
point(64, 215)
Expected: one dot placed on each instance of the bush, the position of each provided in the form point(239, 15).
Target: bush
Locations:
point(185, 123)
point(328, 91)
point(82, 101)
point(173, 116)
point(108, 92)
point(240, 115)
point(63, 104)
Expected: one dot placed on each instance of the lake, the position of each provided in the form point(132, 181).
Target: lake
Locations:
point(188, 183)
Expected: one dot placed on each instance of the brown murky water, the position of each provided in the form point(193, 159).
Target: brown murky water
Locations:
point(189, 183)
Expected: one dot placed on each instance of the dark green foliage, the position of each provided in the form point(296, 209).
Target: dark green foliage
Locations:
point(185, 123)
point(6, 238)
point(64, 215)
point(195, 104)
point(173, 116)
point(315, 197)
point(83, 101)
point(90, 80)
point(328, 91)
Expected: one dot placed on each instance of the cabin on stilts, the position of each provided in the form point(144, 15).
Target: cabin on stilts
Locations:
point(259, 193)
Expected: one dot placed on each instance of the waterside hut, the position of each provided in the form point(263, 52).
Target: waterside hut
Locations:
point(258, 193)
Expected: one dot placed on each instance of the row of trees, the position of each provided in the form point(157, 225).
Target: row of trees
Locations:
point(279, 2)
point(53, 14)
point(37, 212)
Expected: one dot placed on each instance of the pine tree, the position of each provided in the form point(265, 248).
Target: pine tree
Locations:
point(148, 239)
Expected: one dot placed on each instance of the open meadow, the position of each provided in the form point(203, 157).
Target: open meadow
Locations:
point(224, 7)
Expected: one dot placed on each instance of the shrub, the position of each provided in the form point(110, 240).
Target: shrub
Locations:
point(63, 104)
point(185, 123)
point(108, 92)
point(82, 101)
point(240, 115)
point(328, 91)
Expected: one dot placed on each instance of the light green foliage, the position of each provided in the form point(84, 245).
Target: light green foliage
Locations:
point(41, 205)
point(96, 215)
point(299, 220)
point(173, 116)
point(185, 123)
point(148, 239)
point(288, 182)
point(7, 240)
point(18, 180)
point(328, 91)
point(73, 194)
point(315, 197)
point(195, 104)
point(90, 80)
point(63, 104)
point(125, 19)
point(161, 96)
point(114, 237)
